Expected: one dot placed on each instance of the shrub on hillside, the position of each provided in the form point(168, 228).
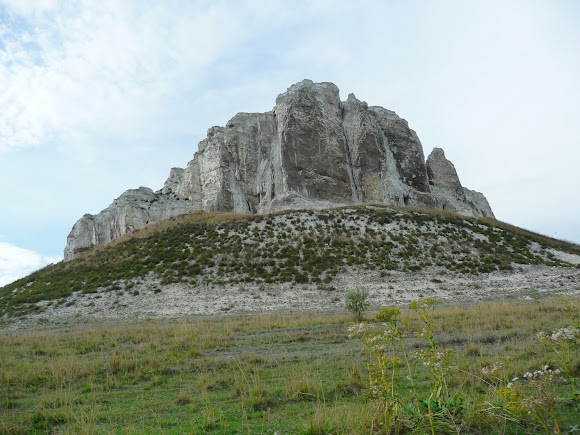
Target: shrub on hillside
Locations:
point(356, 302)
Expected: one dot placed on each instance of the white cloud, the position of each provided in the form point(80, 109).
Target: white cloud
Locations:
point(16, 262)
point(103, 66)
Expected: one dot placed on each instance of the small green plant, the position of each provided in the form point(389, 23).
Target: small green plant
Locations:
point(211, 419)
point(537, 401)
point(535, 295)
point(183, 398)
point(564, 342)
point(388, 315)
point(392, 373)
point(383, 342)
point(357, 302)
point(439, 362)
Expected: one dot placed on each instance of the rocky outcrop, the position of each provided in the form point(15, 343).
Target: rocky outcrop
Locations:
point(133, 210)
point(447, 188)
point(311, 150)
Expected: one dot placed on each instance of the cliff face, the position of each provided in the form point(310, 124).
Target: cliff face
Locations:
point(311, 150)
point(133, 210)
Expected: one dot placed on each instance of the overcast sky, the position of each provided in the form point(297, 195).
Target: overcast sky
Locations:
point(97, 97)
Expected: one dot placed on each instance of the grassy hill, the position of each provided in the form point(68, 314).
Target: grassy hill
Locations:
point(302, 247)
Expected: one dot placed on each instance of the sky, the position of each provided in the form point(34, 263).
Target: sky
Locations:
point(97, 97)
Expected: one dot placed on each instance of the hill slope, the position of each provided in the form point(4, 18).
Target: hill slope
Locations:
point(206, 263)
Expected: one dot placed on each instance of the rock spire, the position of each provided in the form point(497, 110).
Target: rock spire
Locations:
point(311, 151)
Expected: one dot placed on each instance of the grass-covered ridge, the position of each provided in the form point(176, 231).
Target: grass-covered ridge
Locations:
point(309, 246)
point(294, 374)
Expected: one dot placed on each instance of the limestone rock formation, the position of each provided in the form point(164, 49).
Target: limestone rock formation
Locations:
point(311, 150)
point(133, 210)
point(445, 185)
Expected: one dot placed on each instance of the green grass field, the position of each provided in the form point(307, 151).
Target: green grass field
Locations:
point(292, 374)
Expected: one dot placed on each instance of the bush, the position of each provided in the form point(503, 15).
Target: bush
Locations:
point(387, 315)
point(357, 302)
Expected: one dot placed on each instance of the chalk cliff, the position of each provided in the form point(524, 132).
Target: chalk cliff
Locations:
point(311, 150)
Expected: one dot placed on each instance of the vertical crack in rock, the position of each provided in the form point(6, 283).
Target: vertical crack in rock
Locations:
point(392, 186)
point(355, 193)
point(310, 151)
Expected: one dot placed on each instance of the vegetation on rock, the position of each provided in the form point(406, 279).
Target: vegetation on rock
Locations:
point(309, 246)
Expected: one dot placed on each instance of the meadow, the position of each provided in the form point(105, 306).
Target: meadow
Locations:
point(429, 369)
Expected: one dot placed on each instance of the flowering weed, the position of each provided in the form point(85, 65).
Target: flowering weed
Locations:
point(420, 385)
